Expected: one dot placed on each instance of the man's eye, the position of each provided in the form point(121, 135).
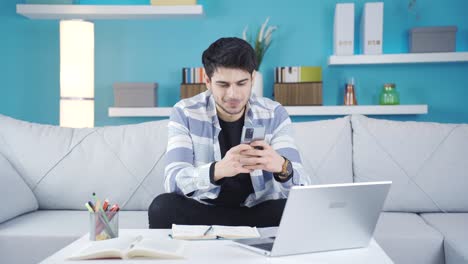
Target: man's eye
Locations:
point(241, 84)
point(224, 86)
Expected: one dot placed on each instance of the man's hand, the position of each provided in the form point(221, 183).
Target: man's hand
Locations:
point(230, 165)
point(267, 159)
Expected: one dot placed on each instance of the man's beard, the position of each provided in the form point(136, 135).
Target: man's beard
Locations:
point(229, 112)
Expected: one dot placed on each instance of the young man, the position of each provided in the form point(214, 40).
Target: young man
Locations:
point(210, 177)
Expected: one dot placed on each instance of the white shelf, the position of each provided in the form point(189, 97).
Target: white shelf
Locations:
point(292, 110)
point(139, 111)
point(356, 109)
point(399, 58)
point(91, 12)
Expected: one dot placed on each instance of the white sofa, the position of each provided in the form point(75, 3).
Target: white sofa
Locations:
point(47, 173)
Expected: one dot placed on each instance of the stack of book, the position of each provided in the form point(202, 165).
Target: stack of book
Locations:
point(298, 85)
point(193, 75)
point(173, 2)
point(192, 82)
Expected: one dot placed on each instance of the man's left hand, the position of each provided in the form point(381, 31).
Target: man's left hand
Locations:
point(266, 159)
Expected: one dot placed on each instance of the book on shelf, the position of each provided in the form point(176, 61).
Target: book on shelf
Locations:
point(193, 75)
point(296, 74)
point(173, 2)
point(213, 232)
point(127, 247)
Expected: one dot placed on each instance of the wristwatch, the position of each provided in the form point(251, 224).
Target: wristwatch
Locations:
point(286, 170)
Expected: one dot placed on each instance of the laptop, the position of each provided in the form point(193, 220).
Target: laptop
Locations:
point(325, 217)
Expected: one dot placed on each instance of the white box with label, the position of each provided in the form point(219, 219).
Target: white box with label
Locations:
point(372, 28)
point(343, 29)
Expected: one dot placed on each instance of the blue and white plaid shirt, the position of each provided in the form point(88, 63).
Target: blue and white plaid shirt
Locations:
point(193, 145)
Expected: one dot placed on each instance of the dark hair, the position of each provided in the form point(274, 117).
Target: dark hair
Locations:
point(229, 53)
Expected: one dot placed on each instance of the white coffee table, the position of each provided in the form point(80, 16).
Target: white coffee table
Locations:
point(225, 251)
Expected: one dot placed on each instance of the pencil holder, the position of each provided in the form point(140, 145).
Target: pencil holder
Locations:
point(103, 225)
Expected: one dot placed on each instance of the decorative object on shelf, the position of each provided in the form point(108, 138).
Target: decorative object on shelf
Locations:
point(257, 86)
point(261, 44)
point(192, 82)
point(293, 94)
point(298, 85)
point(135, 94)
point(76, 73)
point(343, 29)
point(389, 95)
point(188, 90)
point(432, 39)
point(372, 28)
point(350, 94)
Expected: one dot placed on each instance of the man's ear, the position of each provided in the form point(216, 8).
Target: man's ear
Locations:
point(253, 76)
point(207, 81)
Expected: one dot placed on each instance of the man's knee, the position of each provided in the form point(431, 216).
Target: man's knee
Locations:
point(163, 202)
point(162, 209)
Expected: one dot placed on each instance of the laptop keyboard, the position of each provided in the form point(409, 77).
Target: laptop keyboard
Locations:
point(264, 246)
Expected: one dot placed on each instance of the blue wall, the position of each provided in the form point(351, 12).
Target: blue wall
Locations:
point(156, 50)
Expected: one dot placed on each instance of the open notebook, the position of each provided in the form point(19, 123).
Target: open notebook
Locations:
point(213, 232)
point(126, 247)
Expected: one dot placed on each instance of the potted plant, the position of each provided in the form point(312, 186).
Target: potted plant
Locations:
point(260, 44)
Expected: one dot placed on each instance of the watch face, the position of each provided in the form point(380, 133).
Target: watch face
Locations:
point(289, 168)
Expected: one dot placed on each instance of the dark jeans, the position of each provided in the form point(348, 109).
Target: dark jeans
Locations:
point(170, 208)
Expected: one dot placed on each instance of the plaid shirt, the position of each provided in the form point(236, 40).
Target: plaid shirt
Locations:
point(193, 145)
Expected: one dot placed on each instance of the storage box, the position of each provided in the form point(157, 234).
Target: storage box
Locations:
point(372, 28)
point(432, 39)
point(343, 29)
point(309, 93)
point(135, 94)
point(188, 90)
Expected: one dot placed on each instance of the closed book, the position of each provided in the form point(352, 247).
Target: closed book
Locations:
point(310, 74)
point(343, 29)
point(372, 28)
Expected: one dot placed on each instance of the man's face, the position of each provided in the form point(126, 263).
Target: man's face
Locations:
point(231, 90)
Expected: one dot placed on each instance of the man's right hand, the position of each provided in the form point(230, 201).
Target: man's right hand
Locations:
point(230, 165)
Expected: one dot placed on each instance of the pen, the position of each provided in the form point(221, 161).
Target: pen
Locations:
point(105, 205)
point(208, 230)
point(91, 204)
point(90, 209)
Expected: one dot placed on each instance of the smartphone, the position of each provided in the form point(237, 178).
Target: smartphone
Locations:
point(252, 133)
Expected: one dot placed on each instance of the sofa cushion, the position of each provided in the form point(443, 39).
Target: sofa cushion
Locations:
point(425, 161)
point(43, 233)
point(454, 228)
point(407, 239)
point(64, 166)
point(325, 149)
point(15, 195)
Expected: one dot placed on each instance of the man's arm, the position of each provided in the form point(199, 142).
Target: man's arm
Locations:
point(181, 174)
point(281, 145)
